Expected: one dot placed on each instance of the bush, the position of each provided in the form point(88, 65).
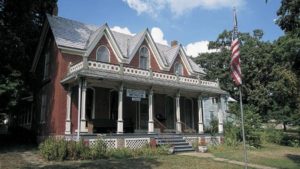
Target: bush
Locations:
point(60, 149)
point(290, 140)
point(54, 149)
point(121, 153)
point(271, 135)
point(212, 129)
point(231, 134)
point(98, 150)
point(252, 124)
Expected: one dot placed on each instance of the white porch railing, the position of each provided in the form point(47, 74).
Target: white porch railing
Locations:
point(164, 76)
point(103, 66)
point(141, 73)
point(76, 67)
point(136, 72)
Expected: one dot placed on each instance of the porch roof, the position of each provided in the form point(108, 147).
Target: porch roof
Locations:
point(146, 81)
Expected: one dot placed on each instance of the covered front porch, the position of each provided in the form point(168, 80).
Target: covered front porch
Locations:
point(116, 107)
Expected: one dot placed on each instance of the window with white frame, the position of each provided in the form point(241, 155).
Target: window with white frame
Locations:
point(102, 54)
point(178, 69)
point(144, 58)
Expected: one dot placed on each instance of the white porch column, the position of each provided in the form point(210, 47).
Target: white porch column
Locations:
point(83, 106)
point(120, 111)
point(68, 113)
point(178, 123)
point(200, 115)
point(79, 109)
point(220, 115)
point(150, 123)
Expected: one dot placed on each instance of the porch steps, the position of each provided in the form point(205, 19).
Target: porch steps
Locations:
point(177, 141)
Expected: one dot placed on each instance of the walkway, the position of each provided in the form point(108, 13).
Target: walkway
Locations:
point(208, 155)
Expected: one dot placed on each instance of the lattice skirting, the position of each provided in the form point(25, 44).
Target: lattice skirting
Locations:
point(110, 143)
point(191, 140)
point(212, 140)
point(134, 143)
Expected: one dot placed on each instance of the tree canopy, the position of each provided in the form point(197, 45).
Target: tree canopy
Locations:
point(270, 70)
point(21, 24)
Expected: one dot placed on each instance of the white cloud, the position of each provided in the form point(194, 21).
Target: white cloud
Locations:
point(124, 30)
point(179, 7)
point(158, 36)
point(193, 49)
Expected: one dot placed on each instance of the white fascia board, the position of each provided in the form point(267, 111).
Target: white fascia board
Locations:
point(72, 51)
point(131, 55)
point(185, 60)
point(155, 56)
point(112, 42)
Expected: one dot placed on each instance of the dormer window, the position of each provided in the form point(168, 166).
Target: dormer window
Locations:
point(102, 54)
point(178, 69)
point(144, 58)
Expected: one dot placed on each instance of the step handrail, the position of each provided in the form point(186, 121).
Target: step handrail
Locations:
point(187, 127)
point(157, 121)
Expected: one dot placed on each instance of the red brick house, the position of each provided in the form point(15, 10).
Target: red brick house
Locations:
point(97, 81)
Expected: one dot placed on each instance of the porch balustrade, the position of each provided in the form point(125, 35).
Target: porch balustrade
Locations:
point(140, 73)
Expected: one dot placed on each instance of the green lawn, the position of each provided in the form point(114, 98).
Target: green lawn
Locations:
point(269, 155)
point(161, 162)
point(20, 157)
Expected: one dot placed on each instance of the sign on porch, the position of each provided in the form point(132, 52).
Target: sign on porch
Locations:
point(136, 93)
point(136, 99)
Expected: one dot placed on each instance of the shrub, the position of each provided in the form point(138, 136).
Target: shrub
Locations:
point(53, 149)
point(212, 129)
point(252, 124)
point(121, 153)
point(271, 135)
point(98, 149)
point(231, 134)
point(82, 150)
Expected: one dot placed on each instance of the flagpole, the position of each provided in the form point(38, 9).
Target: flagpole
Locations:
point(243, 128)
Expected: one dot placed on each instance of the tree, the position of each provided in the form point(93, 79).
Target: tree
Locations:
point(289, 16)
point(21, 24)
point(267, 77)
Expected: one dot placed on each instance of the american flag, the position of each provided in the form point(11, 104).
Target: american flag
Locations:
point(235, 65)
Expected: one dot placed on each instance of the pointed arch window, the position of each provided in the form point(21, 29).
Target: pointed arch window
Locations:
point(144, 58)
point(178, 69)
point(102, 54)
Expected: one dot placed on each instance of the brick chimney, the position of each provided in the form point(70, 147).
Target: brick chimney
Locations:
point(174, 43)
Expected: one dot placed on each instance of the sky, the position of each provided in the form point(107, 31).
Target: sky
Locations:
point(193, 23)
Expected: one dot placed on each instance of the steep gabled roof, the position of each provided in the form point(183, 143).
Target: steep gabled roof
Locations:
point(70, 33)
point(75, 35)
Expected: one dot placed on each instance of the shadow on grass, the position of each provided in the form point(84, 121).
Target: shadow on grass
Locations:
point(294, 158)
point(138, 163)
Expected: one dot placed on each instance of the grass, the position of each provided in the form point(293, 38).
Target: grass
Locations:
point(270, 155)
point(24, 157)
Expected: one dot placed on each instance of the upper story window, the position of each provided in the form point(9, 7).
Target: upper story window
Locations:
point(47, 65)
point(144, 58)
point(178, 69)
point(102, 54)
